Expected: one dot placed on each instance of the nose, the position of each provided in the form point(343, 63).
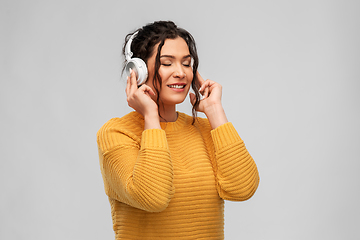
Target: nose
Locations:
point(179, 72)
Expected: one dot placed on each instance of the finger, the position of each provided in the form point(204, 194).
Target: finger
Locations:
point(204, 86)
point(201, 80)
point(206, 92)
point(148, 89)
point(127, 89)
point(133, 82)
point(200, 77)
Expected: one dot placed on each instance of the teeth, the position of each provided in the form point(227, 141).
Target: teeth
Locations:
point(177, 86)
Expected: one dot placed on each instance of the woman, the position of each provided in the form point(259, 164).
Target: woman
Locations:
point(167, 174)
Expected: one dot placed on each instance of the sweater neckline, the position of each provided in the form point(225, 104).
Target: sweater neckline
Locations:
point(181, 121)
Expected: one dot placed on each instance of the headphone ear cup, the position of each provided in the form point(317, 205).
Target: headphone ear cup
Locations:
point(140, 68)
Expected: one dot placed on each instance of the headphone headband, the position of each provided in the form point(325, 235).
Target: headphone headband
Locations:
point(128, 53)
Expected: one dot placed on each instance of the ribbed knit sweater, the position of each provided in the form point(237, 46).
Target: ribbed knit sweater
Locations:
point(171, 183)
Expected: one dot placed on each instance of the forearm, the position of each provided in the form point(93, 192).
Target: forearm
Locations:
point(236, 171)
point(137, 169)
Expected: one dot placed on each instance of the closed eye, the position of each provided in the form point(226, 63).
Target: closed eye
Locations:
point(186, 63)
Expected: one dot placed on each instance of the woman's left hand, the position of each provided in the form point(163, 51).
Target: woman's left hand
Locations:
point(211, 92)
point(211, 102)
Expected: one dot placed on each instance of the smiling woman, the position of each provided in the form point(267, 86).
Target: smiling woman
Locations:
point(167, 174)
point(176, 76)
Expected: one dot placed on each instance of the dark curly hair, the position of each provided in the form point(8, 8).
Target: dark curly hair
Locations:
point(143, 45)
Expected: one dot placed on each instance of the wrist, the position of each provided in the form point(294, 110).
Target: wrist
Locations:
point(216, 115)
point(213, 109)
point(152, 121)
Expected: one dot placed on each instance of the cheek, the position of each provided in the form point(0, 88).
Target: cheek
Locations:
point(190, 75)
point(164, 74)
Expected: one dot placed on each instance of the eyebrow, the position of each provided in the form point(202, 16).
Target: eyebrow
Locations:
point(171, 56)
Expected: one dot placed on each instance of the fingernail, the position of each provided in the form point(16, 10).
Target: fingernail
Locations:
point(130, 70)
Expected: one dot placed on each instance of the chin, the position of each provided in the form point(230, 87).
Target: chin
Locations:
point(173, 101)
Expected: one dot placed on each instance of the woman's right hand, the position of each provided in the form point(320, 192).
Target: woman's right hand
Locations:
point(140, 100)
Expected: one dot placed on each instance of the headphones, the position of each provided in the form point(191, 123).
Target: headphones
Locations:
point(136, 64)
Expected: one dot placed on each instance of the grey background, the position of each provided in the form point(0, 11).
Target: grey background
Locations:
point(290, 76)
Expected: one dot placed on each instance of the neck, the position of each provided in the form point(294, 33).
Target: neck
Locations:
point(168, 113)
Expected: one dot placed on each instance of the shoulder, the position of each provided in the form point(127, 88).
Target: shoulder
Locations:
point(132, 120)
point(117, 130)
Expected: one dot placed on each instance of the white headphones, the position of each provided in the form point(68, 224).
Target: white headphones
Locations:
point(136, 64)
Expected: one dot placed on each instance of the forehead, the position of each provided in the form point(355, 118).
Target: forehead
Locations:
point(176, 46)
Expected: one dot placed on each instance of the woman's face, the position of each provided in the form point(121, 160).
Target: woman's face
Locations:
point(175, 71)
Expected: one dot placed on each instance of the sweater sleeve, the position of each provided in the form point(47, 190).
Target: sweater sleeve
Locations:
point(137, 172)
point(235, 170)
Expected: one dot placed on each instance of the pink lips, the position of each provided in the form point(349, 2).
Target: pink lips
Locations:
point(177, 89)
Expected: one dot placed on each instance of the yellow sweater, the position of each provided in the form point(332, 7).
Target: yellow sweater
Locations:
point(171, 183)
